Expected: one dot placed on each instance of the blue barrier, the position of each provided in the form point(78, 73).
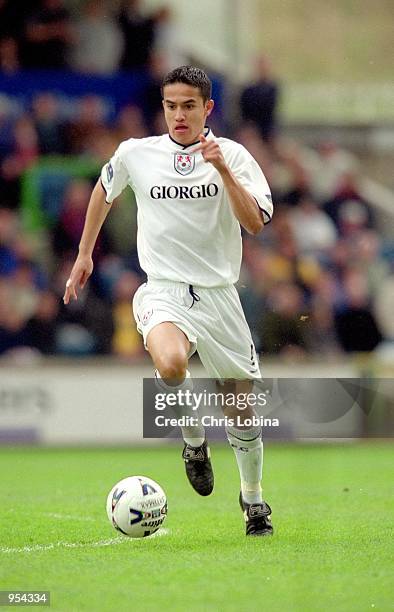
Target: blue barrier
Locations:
point(118, 90)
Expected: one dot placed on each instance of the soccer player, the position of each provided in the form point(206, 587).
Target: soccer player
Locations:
point(193, 192)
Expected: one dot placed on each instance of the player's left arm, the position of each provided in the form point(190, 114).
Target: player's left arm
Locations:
point(243, 203)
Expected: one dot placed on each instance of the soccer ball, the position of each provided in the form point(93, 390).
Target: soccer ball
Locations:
point(137, 506)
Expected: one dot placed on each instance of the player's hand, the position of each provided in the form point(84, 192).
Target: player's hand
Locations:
point(80, 273)
point(211, 152)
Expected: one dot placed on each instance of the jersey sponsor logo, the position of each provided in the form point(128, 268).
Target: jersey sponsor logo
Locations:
point(184, 163)
point(110, 172)
point(183, 192)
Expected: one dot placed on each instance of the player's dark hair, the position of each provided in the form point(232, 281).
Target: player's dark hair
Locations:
point(191, 76)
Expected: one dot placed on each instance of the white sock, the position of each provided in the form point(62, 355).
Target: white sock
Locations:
point(248, 450)
point(192, 434)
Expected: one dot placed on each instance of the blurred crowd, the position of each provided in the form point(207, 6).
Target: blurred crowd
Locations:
point(98, 38)
point(318, 280)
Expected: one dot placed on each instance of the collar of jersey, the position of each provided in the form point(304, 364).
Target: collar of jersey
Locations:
point(207, 133)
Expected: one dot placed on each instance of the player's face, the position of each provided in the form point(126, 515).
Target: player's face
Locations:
point(185, 112)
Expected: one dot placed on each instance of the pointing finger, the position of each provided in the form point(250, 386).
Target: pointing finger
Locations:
point(201, 146)
point(196, 149)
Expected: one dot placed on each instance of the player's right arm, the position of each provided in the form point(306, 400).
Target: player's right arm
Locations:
point(97, 211)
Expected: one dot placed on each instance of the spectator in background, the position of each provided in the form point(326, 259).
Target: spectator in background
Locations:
point(353, 218)
point(327, 165)
point(19, 287)
point(312, 228)
point(48, 36)
point(99, 40)
point(321, 338)
point(40, 330)
point(103, 142)
point(88, 124)
point(87, 327)
point(364, 250)
point(324, 294)
point(126, 341)
point(347, 208)
point(9, 58)
point(18, 299)
point(158, 125)
point(6, 129)
point(70, 224)
point(283, 241)
point(11, 322)
point(138, 32)
point(130, 123)
point(10, 23)
point(9, 230)
point(259, 101)
point(291, 180)
point(24, 153)
point(151, 102)
point(13, 15)
point(18, 248)
point(282, 329)
point(166, 40)
point(50, 130)
point(249, 136)
point(354, 321)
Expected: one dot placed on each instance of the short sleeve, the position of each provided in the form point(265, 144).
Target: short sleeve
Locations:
point(114, 177)
point(247, 171)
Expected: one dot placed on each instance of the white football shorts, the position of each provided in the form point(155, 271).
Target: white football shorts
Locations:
point(212, 320)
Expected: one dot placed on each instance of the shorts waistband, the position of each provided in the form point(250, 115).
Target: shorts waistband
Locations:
point(161, 282)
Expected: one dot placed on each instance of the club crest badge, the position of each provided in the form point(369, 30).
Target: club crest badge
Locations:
point(184, 163)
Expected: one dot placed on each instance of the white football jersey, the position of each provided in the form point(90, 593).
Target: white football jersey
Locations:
point(187, 230)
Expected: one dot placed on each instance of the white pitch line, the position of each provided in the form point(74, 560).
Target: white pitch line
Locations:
point(68, 517)
point(40, 547)
point(60, 516)
point(99, 544)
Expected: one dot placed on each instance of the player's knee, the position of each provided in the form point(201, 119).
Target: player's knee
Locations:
point(172, 366)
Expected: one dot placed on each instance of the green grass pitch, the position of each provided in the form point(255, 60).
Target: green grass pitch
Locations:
point(332, 548)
